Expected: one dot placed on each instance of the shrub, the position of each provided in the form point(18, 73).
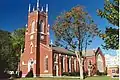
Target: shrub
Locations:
point(20, 74)
point(70, 73)
point(77, 73)
point(85, 74)
point(115, 75)
point(65, 74)
point(101, 73)
point(73, 74)
point(30, 73)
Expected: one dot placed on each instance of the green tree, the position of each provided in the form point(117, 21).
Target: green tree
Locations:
point(17, 39)
point(111, 13)
point(11, 45)
point(74, 30)
point(5, 51)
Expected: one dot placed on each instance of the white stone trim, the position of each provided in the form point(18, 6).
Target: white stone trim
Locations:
point(32, 33)
point(65, 55)
point(45, 70)
point(33, 26)
point(35, 45)
point(70, 65)
point(59, 54)
point(36, 29)
point(23, 63)
point(75, 64)
point(63, 64)
point(45, 46)
point(42, 32)
point(46, 56)
point(34, 61)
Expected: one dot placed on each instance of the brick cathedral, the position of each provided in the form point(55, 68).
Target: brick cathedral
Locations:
point(47, 60)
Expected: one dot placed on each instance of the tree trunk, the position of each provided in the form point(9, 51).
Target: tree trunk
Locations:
point(81, 68)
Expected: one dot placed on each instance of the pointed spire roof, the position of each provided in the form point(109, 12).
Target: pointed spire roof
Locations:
point(37, 4)
point(29, 8)
point(33, 8)
point(46, 8)
point(42, 9)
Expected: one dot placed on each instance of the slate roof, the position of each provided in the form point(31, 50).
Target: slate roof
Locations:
point(62, 50)
point(65, 51)
point(89, 53)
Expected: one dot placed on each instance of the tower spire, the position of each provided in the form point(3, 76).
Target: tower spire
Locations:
point(29, 8)
point(42, 9)
point(33, 8)
point(37, 4)
point(46, 8)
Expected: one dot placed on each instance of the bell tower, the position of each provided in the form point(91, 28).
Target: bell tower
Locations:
point(38, 24)
point(37, 43)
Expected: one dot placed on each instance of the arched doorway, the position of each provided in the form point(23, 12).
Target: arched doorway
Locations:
point(30, 64)
point(100, 65)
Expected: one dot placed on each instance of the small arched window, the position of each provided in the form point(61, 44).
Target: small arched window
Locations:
point(33, 27)
point(46, 63)
point(31, 47)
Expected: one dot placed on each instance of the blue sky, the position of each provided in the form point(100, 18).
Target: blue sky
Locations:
point(13, 14)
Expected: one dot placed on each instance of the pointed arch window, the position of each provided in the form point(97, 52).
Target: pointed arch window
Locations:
point(41, 26)
point(69, 64)
point(63, 64)
point(100, 64)
point(31, 47)
point(75, 64)
point(46, 63)
point(33, 27)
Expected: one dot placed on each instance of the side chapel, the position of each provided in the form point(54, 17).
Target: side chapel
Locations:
point(46, 60)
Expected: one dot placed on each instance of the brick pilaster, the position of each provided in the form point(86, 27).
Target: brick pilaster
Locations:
point(77, 66)
point(66, 63)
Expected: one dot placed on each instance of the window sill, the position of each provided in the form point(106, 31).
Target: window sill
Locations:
point(46, 71)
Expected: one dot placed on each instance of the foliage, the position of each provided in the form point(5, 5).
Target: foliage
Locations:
point(18, 37)
point(5, 51)
point(74, 30)
point(111, 13)
point(101, 73)
point(71, 73)
point(10, 47)
point(66, 29)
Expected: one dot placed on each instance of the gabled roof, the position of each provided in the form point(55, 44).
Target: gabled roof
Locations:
point(65, 51)
point(62, 50)
point(88, 53)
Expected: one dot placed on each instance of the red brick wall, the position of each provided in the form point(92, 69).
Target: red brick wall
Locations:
point(38, 51)
point(46, 51)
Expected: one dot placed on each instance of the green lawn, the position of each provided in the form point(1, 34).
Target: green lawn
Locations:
point(68, 78)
